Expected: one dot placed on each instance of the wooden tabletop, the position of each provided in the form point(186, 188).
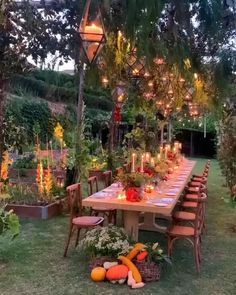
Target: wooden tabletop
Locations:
point(184, 171)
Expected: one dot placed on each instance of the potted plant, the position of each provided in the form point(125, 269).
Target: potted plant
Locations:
point(132, 183)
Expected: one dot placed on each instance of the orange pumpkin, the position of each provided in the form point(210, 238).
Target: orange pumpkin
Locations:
point(98, 274)
point(117, 272)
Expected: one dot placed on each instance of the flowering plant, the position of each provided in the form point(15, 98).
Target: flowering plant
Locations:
point(148, 169)
point(136, 179)
point(109, 241)
point(156, 253)
point(161, 168)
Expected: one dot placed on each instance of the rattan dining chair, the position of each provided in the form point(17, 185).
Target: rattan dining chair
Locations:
point(77, 220)
point(189, 233)
point(109, 213)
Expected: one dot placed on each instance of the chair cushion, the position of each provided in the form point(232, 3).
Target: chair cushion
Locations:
point(189, 204)
point(195, 183)
point(197, 178)
point(87, 220)
point(193, 189)
point(191, 197)
point(184, 215)
point(179, 230)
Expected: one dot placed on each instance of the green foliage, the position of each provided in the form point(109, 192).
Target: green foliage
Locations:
point(31, 116)
point(188, 123)
point(156, 253)
point(136, 179)
point(9, 222)
point(27, 162)
point(139, 138)
point(227, 149)
point(56, 93)
point(22, 194)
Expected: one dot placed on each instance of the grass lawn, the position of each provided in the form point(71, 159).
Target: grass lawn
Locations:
point(34, 263)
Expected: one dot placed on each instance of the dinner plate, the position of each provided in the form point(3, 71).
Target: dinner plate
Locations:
point(170, 194)
point(167, 200)
point(160, 204)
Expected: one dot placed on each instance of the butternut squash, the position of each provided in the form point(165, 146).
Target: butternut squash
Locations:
point(136, 274)
point(134, 252)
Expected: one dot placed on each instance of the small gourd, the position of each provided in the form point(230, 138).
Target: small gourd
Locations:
point(142, 256)
point(98, 274)
point(108, 265)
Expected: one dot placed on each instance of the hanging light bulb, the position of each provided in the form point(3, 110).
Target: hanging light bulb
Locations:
point(105, 81)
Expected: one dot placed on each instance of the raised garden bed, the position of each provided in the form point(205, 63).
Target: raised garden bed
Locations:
point(37, 211)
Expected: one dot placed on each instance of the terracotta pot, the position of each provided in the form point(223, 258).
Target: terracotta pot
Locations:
point(133, 194)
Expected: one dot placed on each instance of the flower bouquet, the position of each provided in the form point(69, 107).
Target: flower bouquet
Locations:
point(132, 183)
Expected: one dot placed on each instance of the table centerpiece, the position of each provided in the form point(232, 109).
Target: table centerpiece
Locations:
point(132, 183)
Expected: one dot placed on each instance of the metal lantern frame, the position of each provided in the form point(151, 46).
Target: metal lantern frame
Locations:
point(136, 66)
point(89, 38)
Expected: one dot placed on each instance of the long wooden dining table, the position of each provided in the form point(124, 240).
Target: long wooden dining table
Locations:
point(160, 202)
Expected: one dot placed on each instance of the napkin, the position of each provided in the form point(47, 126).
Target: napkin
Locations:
point(101, 195)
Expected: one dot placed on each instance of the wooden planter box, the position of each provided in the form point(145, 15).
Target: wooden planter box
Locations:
point(36, 212)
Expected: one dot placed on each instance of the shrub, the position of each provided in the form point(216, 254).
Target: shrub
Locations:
point(109, 241)
point(9, 222)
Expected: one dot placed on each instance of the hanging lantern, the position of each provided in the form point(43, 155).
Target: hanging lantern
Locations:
point(136, 65)
point(119, 94)
point(159, 61)
point(91, 31)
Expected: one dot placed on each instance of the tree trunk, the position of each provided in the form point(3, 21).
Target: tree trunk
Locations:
point(80, 116)
point(2, 111)
point(111, 139)
point(170, 131)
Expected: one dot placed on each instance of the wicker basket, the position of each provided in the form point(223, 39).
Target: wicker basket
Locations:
point(150, 271)
point(98, 261)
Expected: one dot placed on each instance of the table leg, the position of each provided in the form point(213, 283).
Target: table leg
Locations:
point(131, 224)
point(150, 224)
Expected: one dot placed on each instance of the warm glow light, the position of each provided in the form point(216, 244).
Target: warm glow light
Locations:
point(195, 76)
point(121, 197)
point(150, 84)
point(135, 72)
point(152, 162)
point(159, 61)
point(149, 188)
point(93, 33)
point(105, 81)
point(91, 50)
